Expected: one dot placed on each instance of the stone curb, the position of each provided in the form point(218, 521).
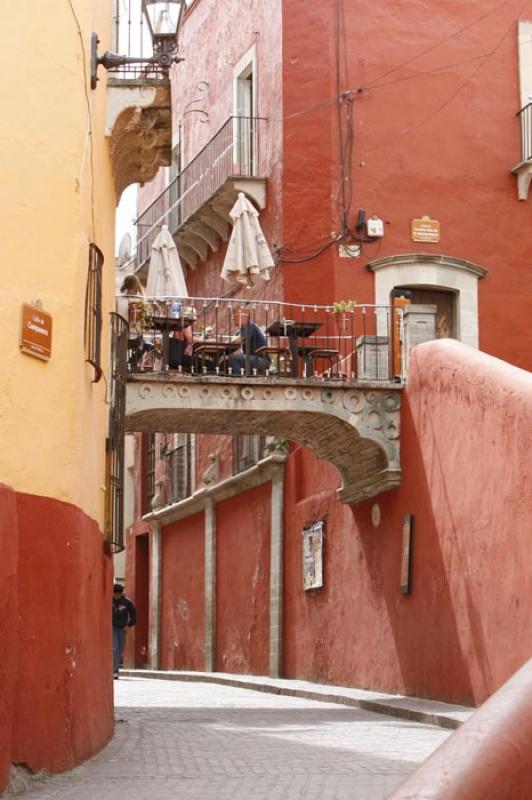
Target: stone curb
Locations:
point(450, 719)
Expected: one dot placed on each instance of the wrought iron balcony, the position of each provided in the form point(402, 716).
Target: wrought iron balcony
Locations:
point(523, 169)
point(196, 203)
point(199, 337)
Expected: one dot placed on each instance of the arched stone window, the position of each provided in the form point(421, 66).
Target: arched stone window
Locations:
point(438, 273)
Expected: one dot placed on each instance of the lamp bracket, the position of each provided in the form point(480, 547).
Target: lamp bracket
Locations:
point(110, 60)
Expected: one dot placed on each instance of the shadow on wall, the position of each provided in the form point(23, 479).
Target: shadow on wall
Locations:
point(424, 624)
point(466, 439)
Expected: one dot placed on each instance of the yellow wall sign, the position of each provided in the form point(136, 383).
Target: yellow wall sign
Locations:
point(36, 332)
point(425, 229)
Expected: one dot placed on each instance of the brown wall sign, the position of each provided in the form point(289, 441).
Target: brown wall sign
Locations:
point(425, 229)
point(36, 332)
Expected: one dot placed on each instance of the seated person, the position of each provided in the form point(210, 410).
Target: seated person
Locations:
point(250, 336)
point(181, 342)
point(128, 305)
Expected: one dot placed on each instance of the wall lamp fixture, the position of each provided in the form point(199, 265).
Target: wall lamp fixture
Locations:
point(164, 21)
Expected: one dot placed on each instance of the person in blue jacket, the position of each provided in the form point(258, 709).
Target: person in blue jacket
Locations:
point(251, 338)
point(124, 617)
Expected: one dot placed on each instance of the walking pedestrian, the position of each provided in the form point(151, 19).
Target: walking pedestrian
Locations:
point(124, 617)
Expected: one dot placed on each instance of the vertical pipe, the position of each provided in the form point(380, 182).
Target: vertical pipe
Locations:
point(210, 587)
point(276, 575)
point(155, 595)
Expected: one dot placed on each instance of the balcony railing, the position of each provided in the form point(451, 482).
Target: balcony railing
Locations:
point(525, 116)
point(131, 37)
point(279, 340)
point(232, 152)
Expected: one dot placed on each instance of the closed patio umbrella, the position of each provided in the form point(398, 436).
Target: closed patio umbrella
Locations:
point(248, 254)
point(165, 275)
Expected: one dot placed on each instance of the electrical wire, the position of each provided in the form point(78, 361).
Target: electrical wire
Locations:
point(455, 94)
point(89, 113)
point(280, 260)
point(323, 104)
point(437, 44)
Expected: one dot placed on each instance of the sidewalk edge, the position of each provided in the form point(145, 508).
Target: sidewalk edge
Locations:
point(376, 706)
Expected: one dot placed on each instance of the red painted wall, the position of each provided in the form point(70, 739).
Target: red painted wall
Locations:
point(138, 578)
point(142, 600)
point(182, 640)
point(435, 133)
point(465, 628)
point(56, 702)
point(242, 582)
point(8, 631)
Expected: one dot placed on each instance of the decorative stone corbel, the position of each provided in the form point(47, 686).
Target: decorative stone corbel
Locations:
point(524, 177)
point(139, 127)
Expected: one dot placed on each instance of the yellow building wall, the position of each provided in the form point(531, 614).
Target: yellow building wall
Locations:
point(57, 196)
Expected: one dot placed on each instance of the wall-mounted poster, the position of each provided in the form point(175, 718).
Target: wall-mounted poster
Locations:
point(313, 556)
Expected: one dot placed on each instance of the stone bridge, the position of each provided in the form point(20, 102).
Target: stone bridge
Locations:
point(353, 426)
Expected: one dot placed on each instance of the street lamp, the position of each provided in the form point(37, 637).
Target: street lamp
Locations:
point(164, 21)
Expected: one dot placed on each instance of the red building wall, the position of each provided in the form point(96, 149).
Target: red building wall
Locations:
point(465, 628)
point(242, 582)
point(435, 132)
point(182, 640)
point(57, 582)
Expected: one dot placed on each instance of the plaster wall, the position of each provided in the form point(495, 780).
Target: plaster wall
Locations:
point(58, 196)
point(55, 583)
point(242, 582)
point(435, 133)
point(58, 693)
point(464, 628)
point(8, 632)
point(183, 595)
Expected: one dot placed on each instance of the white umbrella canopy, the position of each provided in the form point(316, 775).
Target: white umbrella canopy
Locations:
point(248, 254)
point(165, 275)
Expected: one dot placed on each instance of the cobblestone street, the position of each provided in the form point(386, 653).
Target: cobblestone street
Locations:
point(199, 741)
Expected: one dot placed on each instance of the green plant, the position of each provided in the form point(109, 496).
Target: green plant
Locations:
point(344, 305)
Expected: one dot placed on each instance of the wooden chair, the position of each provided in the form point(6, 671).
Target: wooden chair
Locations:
point(280, 357)
point(327, 354)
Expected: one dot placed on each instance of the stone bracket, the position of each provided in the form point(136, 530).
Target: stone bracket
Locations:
point(139, 127)
point(523, 170)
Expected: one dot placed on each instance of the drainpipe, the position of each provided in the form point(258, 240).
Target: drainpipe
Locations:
point(155, 595)
point(489, 757)
point(276, 574)
point(210, 586)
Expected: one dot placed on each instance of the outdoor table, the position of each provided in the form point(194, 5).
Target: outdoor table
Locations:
point(293, 330)
point(215, 350)
point(312, 352)
point(165, 325)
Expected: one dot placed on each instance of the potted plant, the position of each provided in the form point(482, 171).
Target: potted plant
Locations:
point(343, 307)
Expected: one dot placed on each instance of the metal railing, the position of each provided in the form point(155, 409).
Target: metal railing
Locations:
point(233, 151)
point(525, 118)
point(233, 338)
point(131, 37)
point(114, 510)
point(179, 469)
point(248, 449)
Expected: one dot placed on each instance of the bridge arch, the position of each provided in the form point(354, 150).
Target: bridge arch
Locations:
point(357, 429)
